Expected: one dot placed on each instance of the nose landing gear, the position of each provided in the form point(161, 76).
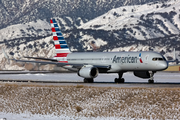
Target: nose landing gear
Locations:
point(151, 80)
point(120, 79)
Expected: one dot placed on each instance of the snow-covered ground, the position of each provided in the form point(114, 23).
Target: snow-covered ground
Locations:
point(105, 103)
point(33, 102)
point(11, 116)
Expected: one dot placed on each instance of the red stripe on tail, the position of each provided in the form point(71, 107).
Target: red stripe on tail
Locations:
point(58, 46)
point(55, 37)
point(62, 54)
point(51, 21)
point(53, 29)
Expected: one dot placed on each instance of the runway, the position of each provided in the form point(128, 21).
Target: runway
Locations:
point(162, 79)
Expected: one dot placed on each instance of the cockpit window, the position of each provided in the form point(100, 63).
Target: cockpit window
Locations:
point(158, 59)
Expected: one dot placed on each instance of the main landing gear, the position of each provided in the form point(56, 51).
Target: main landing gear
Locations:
point(88, 80)
point(151, 79)
point(120, 79)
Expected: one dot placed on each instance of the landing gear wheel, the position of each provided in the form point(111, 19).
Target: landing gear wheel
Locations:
point(120, 79)
point(116, 80)
point(150, 81)
point(86, 80)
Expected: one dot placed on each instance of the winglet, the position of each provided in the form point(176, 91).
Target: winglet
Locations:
point(174, 58)
point(174, 54)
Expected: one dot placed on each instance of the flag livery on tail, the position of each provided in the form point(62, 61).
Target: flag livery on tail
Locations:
point(62, 50)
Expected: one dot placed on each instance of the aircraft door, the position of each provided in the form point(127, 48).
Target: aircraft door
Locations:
point(146, 59)
point(104, 59)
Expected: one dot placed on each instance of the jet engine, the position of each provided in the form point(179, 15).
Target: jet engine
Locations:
point(88, 72)
point(142, 74)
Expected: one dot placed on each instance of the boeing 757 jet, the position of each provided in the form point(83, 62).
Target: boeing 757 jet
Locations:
point(89, 64)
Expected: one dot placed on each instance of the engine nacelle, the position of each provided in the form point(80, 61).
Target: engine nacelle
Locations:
point(142, 74)
point(88, 72)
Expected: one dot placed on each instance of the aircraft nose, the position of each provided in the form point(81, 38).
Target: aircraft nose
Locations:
point(163, 65)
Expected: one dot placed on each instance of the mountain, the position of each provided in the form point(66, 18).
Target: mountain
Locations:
point(152, 26)
point(140, 22)
point(25, 11)
point(99, 25)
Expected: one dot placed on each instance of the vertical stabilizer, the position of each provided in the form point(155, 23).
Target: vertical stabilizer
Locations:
point(62, 49)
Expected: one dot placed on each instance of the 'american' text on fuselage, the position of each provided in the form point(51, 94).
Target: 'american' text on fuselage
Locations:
point(128, 59)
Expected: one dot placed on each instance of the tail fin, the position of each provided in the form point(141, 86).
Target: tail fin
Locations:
point(62, 50)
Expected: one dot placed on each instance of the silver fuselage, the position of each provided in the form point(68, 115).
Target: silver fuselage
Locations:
point(121, 61)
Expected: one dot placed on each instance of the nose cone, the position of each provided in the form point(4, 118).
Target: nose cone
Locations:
point(163, 65)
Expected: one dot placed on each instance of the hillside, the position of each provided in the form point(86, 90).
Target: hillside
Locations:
point(24, 11)
point(108, 25)
point(152, 26)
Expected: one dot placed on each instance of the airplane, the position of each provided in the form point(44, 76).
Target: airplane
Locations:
point(143, 64)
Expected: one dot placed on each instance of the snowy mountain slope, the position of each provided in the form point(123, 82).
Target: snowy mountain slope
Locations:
point(148, 27)
point(24, 11)
point(27, 31)
point(37, 48)
point(35, 28)
point(32, 29)
point(141, 22)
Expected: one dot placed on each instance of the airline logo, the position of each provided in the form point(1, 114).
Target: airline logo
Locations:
point(140, 59)
point(62, 49)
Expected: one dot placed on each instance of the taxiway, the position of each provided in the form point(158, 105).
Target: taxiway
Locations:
point(162, 79)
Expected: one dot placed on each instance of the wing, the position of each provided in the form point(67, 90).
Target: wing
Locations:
point(174, 61)
point(61, 64)
point(41, 58)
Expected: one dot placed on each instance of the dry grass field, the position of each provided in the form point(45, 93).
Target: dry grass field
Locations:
point(173, 68)
point(91, 102)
